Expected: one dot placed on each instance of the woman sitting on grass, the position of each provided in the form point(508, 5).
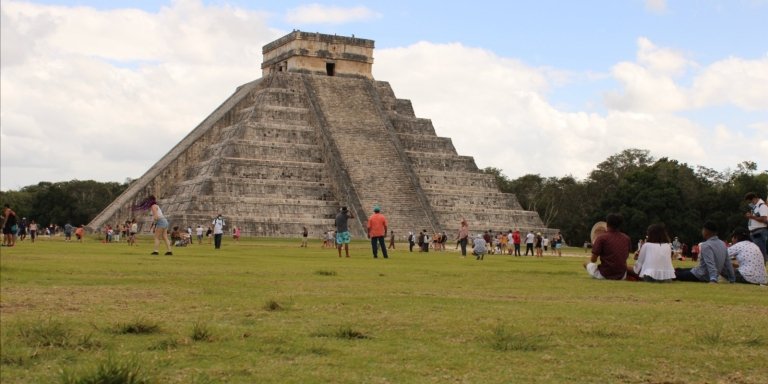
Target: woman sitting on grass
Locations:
point(654, 261)
point(748, 259)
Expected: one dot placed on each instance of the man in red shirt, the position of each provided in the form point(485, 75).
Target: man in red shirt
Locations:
point(377, 230)
point(612, 248)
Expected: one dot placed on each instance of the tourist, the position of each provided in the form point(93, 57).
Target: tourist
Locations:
point(676, 248)
point(32, 230)
point(159, 224)
point(530, 238)
point(654, 260)
point(488, 241)
point(209, 234)
point(304, 237)
point(545, 244)
point(504, 239)
point(68, 232)
point(443, 240)
point(218, 231)
point(612, 249)
point(713, 259)
point(557, 244)
point(199, 232)
point(758, 222)
point(9, 226)
point(516, 241)
point(479, 248)
point(236, 234)
point(377, 230)
point(342, 230)
point(411, 241)
point(132, 231)
point(748, 261)
point(537, 244)
point(80, 233)
point(176, 237)
point(391, 239)
point(425, 241)
point(463, 237)
point(23, 228)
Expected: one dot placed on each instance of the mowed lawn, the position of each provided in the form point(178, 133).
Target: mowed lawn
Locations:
point(267, 311)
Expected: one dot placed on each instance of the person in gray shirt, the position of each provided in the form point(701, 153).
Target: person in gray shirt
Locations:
point(342, 230)
point(713, 260)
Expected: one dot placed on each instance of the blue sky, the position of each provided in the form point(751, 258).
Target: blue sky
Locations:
point(585, 78)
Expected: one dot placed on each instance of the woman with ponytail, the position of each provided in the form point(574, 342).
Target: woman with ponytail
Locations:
point(159, 223)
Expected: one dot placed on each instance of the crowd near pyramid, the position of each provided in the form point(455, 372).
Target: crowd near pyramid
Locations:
point(316, 133)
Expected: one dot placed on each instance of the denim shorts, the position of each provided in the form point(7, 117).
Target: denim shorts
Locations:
point(161, 223)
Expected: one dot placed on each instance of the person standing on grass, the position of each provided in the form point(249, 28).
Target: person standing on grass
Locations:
point(218, 231)
point(236, 234)
point(654, 258)
point(411, 241)
point(529, 240)
point(713, 260)
point(758, 222)
point(33, 230)
point(159, 224)
point(747, 260)
point(199, 233)
point(304, 237)
point(377, 230)
point(516, 241)
point(538, 244)
point(209, 234)
point(464, 237)
point(342, 230)
point(80, 233)
point(557, 244)
point(132, 231)
point(391, 240)
point(68, 232)
point(9, 226)
point(612, 249)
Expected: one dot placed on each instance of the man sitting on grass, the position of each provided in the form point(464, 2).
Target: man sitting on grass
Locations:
point(713, 260)
point(612, 248)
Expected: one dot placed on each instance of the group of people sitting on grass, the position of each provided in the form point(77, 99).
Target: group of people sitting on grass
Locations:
point(742, 262)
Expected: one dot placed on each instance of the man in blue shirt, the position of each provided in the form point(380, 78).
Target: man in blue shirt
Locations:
point(713, 260)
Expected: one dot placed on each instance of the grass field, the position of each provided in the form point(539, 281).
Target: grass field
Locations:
point(267, 311)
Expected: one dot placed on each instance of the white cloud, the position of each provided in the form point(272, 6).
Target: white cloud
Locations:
point(496, 110)
point(656, 6)
point(104, 94)
point(323, 14)
point(653, 82)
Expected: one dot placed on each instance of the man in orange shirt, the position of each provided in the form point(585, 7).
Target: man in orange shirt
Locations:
point(377, 230)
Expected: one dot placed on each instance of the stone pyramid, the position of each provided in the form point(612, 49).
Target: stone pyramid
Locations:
point(315, 133)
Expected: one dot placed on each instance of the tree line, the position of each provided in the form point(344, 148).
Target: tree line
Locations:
point(75, 202)
point(645, 191)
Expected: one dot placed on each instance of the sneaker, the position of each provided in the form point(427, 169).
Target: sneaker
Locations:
point(154, 253)
point(169, 253)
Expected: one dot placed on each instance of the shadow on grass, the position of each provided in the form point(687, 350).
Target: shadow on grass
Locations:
point(138, 326)
point(325, 273)
point(504, 339)
point(112, 371)
point(343, 332)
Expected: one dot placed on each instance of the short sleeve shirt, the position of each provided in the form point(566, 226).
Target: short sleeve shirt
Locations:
point(751, 263)
point(341, 222)
point(613, 249)
point(377, 224)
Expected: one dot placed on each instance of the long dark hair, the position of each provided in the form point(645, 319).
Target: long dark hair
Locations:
point(145, 204)
point(657, 233)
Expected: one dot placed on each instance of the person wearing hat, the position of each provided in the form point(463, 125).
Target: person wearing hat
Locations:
point(377, 230)
point(611, 248)
point(747, 260)
point(713, 260)
point(342, 230)
point(758, 222)
point(479, 247)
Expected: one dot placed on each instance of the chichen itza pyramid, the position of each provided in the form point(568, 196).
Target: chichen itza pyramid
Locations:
point(314, 133)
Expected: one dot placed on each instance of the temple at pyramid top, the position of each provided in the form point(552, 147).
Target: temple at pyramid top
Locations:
point(316, 133)
point(318, 53)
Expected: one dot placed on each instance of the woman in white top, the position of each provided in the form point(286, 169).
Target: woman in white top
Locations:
point(159, 223)
point(748, 259)
point(654, 262)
